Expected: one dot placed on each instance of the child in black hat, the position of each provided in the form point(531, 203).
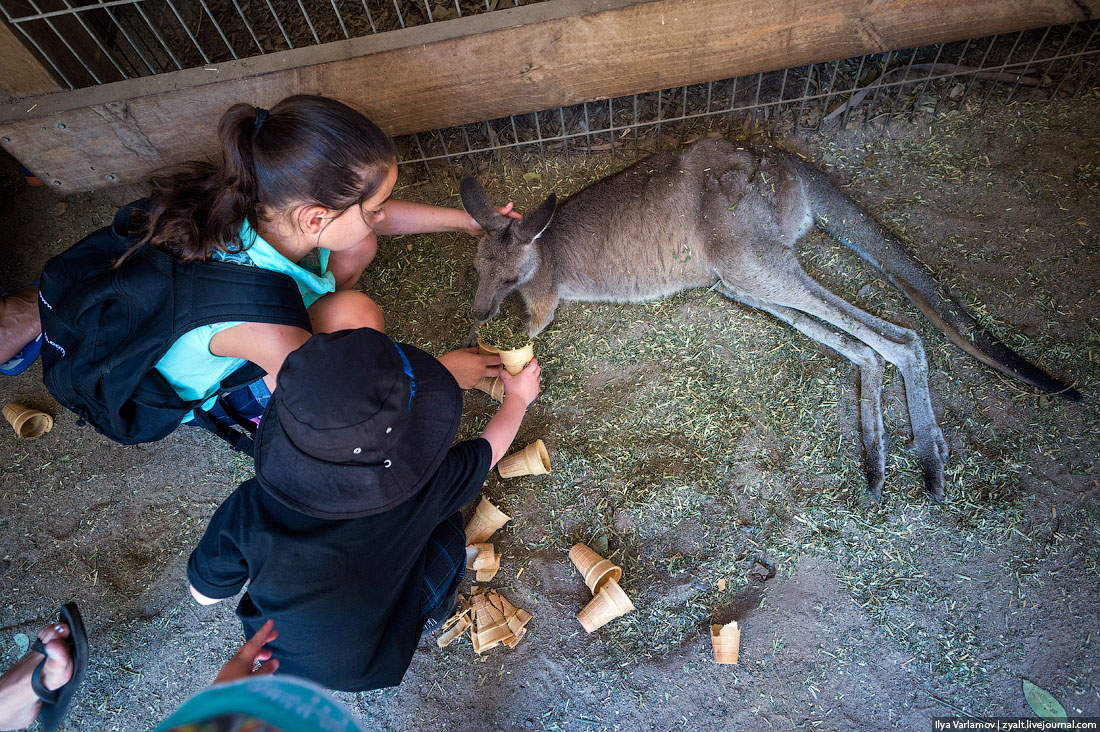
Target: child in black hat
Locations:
point(350, 536)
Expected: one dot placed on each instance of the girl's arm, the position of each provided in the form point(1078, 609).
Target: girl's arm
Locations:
point(409, 217)
point(519, 391)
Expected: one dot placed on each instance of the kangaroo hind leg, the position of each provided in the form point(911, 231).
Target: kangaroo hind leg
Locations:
point(901, 347)
point(870, 366)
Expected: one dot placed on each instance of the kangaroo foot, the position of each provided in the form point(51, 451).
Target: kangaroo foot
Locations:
point(932, 453)
point(876, 478)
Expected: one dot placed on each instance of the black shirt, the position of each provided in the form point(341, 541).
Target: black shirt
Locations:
point(344, 594)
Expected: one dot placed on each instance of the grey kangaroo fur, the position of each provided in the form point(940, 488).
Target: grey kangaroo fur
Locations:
point(718, 213)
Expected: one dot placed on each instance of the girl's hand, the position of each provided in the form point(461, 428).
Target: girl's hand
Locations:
point(469, 367)
point(526, 384)
point(252, 652)
point(473, 228)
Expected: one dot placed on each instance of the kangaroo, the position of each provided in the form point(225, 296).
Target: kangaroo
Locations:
point(726, 215)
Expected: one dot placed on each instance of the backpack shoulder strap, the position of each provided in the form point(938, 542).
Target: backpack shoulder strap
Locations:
point(215, 292)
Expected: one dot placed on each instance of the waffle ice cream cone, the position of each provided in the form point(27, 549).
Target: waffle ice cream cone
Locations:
point(593, 568)
point(494, 387)
point(725, 640)
point(531, 460)
point(30, 424)
point(486, 520)
point(514, 360)
point(609, 603)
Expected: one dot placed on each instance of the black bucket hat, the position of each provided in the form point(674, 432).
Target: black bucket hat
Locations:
point(356, 426)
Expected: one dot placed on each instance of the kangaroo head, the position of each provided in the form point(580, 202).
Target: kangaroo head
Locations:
point(507, 255)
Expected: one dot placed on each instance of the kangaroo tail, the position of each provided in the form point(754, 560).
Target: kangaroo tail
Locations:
point(843, 219)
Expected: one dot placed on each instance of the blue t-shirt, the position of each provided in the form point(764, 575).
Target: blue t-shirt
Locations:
point(192, 370)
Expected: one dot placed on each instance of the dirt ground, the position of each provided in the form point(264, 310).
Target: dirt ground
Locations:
point(690, 438)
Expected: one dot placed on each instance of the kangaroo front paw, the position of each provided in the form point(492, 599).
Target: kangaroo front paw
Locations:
point(471, 340)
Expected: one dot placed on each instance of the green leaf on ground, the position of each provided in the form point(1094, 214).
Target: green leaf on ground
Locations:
point(531, 176)
point(1042, 703)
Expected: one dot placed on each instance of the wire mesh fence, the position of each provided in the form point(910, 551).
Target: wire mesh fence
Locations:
point(1035, 65)
point(88, 42)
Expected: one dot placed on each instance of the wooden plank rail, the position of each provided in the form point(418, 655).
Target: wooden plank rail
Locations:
point(514, 61)
point(20, 72)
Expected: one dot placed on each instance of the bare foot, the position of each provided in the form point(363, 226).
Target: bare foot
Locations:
point(19, 706)
point(19, 321)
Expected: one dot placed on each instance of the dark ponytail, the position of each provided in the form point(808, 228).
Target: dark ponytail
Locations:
point(307, 150)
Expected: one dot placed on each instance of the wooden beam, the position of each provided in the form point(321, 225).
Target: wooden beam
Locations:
point(20, 72)
point(514, 61)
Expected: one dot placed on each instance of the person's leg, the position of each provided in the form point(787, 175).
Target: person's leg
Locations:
point(19, 322)
point(19, 706)
point(444, 569)
point(345, 310)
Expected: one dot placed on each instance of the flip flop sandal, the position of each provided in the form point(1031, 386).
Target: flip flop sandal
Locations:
point(55, 703)
point(21, 361)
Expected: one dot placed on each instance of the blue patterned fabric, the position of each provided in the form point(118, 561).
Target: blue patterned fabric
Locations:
point(444, 568)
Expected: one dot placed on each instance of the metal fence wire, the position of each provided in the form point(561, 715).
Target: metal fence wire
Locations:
point(89, 42)
point(1034, 65)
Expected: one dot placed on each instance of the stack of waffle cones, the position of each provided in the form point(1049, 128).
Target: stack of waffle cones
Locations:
point(514, 360)
point(30, 424)
point(602, 577)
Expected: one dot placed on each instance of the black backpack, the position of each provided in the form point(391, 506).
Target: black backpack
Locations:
point(104, 329)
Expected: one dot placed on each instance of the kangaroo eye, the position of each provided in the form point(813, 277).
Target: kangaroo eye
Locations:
point(507, 283)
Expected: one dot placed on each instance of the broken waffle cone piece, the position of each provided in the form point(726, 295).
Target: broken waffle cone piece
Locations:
point(457, 624)
point(486, 556)
point(488, 570)
point(456, 629)
point(514, 360)
point(486, 520)
point(515, 618)
point(531, 460)
point(725, 640)
point(609, 603)
point(493, 386)
point(593, 568)
point(491, 628)
point(30, 424)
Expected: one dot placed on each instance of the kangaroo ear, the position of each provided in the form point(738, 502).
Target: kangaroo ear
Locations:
point(535, 222)
point(477, 205)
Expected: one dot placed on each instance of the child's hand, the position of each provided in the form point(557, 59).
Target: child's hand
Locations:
point(468, 366)
point(473, 228)
point(526, 384)
point(243, 662)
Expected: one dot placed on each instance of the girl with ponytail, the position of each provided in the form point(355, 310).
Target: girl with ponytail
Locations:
point(302, 189)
